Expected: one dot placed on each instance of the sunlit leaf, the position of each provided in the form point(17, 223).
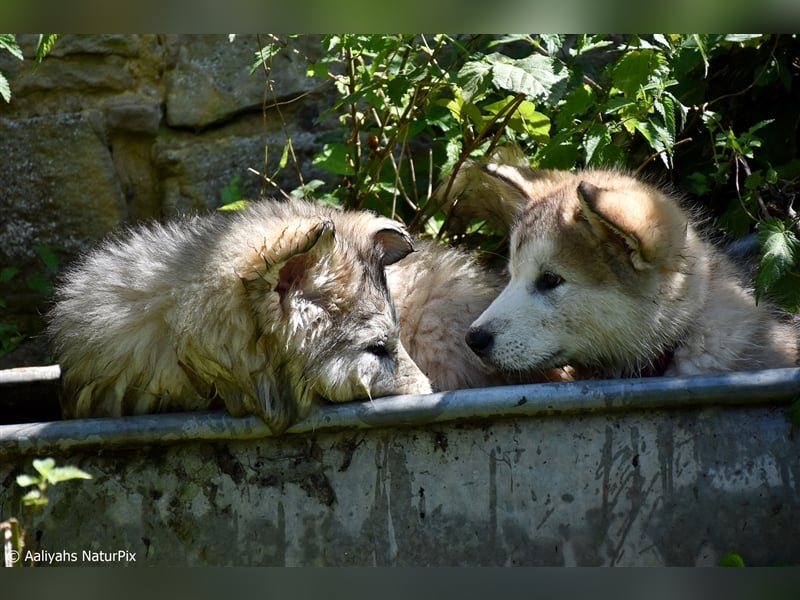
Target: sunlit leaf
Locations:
point(335, 158)
point(779, 252)
point(48, 255)
point(533, 76)
point(27, 480)
point(34, 498)
point(474, 78)
point(44, 45)
point(235, 205)
point(634, 69)
point(8, 42)
point(5, 90)
point(731, 559)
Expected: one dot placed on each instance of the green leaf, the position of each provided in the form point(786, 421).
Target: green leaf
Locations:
point(44, 45)
point(53, 474)
point(49, 257)
point(666, 108)
point(5, 90)
point(34, 498)
point(474, 78)
point(697, 183)
point(525, 119)
point(307, 190)
point(397, 88)
point(285, 154)
point(786, 292)
point(28, 480)
point(473, 113)
point(634, 69)
point(335, 158)
point(759, 125)
point(533, 76)
point(558, 155)
point(231, 193)
point(731, 559)
point(10, 338)
point(657, 136)
point(40, 284)
point(596, 138)
point(534, 123)
point(67, 473)
point(9, 42)
point(235, 205)
point(575, 105)
point(264, 57)
point(44, 465)
point(8, 273)
point(779, 252)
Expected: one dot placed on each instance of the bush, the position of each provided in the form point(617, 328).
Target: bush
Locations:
point(713, 114)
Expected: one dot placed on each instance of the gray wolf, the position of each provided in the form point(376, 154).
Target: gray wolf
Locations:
point(267, 310)
point(609, 274)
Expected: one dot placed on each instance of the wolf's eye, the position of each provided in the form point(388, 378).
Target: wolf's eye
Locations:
point(378, 349)
point(548, 281)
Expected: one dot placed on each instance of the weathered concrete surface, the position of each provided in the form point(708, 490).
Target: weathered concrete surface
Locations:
point(622, 486)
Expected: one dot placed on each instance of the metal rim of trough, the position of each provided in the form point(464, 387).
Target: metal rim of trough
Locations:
point(774, 386)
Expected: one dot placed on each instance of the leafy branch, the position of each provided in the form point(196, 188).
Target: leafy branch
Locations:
point(9, 43)
point(413, 109)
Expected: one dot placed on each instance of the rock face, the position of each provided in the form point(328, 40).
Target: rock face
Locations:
point(112, 129)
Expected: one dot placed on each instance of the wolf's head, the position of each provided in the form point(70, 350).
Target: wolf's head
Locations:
point(602, 274)
point(326, 321)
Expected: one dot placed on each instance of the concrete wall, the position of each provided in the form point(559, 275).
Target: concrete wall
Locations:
point(639, 472)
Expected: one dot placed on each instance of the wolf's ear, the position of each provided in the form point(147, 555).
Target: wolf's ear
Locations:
point(393, 243)
point(284, 263)
point(650, 224)
point(511, 176)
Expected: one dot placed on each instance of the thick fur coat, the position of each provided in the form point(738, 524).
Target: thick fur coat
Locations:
point(609, 274)
point(266, 310)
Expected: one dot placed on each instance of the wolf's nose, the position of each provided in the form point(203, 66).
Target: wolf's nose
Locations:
point(479, 340)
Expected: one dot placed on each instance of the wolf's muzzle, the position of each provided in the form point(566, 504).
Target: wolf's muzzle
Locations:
point(479, 340)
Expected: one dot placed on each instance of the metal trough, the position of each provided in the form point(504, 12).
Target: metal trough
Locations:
point(659, 471)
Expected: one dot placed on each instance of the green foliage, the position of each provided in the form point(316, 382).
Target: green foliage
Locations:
point(231, 193)
point(731, 559)
point(8, 42)
point(44, 45)
point(778, 261)
point(10, 338)
point(711, 113)
point(39, 282)
point(47, 474)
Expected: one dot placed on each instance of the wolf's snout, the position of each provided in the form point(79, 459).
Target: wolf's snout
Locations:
point(479, 340)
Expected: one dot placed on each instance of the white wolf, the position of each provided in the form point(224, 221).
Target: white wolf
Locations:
point(610, 275)
point(266, 310)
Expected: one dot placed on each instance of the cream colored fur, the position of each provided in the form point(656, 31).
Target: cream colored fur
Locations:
point(267, 310)
point(438, 292)
point(610, 275)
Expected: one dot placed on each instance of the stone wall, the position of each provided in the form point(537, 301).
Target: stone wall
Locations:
point(112, 129)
